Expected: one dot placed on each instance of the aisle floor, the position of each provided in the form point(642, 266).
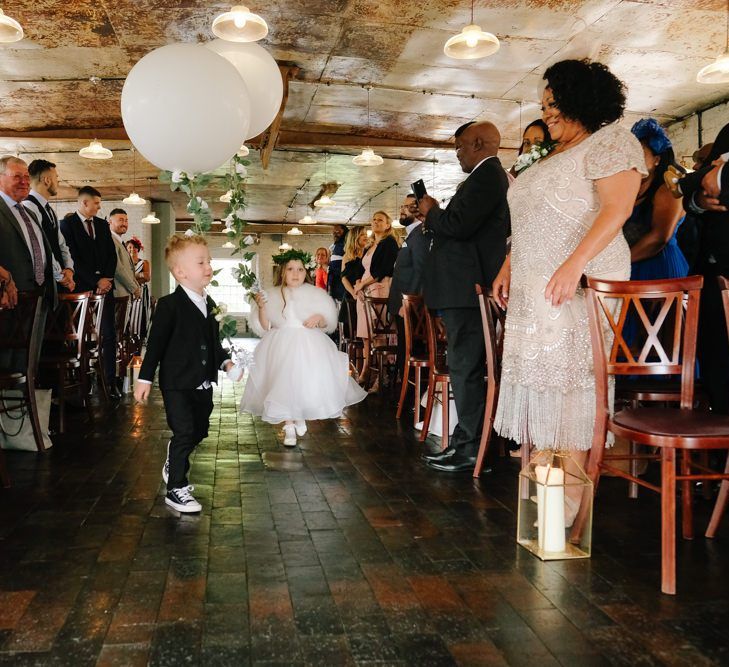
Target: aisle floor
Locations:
point(346, 550)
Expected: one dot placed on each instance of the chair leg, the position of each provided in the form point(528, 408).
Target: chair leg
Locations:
point(4, 474)
point(445, 401)
point(34, 421)
point(404, 389)
point(488, 424)
point(668, 520)
point(61, 402)
point(687, 523)
point(632, 486)
point(416, 400)
point(428, 407)
point(101, 377)
point(721, 503)
point(365, 372)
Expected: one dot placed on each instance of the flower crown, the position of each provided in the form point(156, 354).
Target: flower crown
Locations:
point(648, 130)
point(303, 256)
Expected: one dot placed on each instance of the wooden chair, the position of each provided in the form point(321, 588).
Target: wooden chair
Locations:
point(348, 341)
point(493, 320)
point(665, 352)
point(723, 499)
point(415, 332)
point(64, 343)
point(124, 346)
point(438, 375)
point(93, 353)
point(378, 349)
point(21, 335)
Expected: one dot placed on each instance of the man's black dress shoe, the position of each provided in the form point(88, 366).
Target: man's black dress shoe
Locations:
point(458, 463)
point(114, 394)
point(440, 456)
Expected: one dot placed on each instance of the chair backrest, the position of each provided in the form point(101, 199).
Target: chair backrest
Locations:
point(350, 314)
point(667, 311)
point(379, 322)
point(436, 339)
point(66, 324)
point(493, 320)
point(121, 308)
point(93, 320)
point(416, 328)
point(20, 328)
point(724, 287)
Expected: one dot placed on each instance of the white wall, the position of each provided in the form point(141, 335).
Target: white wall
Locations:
point(685, 133)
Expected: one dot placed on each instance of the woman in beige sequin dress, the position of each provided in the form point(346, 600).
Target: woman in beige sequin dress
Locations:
point(567, 210)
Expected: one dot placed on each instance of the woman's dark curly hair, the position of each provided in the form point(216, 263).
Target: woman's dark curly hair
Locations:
point(586, 92)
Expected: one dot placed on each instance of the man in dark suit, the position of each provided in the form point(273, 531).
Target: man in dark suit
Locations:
point(25, 254)
point(469, 246)
point(407, 276)
point(703, 199)
point(94, 258)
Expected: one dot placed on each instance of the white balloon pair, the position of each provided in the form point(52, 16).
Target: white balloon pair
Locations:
point(187, 108)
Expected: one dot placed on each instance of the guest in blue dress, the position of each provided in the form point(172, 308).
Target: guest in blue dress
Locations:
point(651, 229)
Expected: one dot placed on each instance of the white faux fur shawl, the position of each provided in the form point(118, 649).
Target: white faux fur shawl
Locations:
point(301, 303)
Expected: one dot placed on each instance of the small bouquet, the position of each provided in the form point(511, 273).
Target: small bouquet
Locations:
point(534, 154)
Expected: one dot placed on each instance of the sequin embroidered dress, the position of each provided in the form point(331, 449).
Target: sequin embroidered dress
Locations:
point(547, 395)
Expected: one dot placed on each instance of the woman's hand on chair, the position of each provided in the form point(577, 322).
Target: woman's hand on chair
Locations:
point(500, 287)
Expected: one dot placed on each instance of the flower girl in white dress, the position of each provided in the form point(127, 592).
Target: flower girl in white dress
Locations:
point(297, 372)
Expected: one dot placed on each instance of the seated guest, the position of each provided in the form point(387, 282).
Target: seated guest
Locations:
point(94, 258)
point(336, 250)
point(44, 185)
point(321, 274)
point(407, 276)
point(378, 263)
point(651, 229)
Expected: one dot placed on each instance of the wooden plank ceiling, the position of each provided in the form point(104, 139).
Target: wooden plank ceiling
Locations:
point(61, 85)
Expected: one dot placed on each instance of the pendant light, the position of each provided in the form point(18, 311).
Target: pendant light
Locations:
point(368, 157)
point(325, 200)
point(294, 231)
point(10, 29)
point(284, 247)
point(307, 219)
point(134, 199)
point(240, 25)
point(150, 218)
point(95, 151)
point(471, 43)
point(718, 71)
point(396, 224)
point(228, 245)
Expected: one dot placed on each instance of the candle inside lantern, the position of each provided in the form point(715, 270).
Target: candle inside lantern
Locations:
point(550, 508)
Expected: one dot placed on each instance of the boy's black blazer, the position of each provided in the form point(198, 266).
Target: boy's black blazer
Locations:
point(184, 344)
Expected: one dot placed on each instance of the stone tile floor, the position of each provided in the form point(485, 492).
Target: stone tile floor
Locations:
point(343, 551)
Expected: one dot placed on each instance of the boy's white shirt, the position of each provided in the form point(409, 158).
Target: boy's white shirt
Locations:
point(301, 303)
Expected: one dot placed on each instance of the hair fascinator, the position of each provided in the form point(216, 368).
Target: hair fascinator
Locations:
point(136, 243)
point(652, 134)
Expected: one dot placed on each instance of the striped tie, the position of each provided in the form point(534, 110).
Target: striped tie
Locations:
point(35, 249)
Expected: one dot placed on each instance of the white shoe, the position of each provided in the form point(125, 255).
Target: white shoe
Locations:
point(289, 435)
point(300, 426)
point(182, 500)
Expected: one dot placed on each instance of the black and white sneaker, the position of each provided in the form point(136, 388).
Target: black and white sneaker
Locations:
point(166, 466)
point(182, 500)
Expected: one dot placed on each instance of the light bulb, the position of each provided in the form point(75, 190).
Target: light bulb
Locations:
point(471, 40)
point(239, 19)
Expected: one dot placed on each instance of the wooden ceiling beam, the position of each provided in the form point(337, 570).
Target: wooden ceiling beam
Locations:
point(288, 72)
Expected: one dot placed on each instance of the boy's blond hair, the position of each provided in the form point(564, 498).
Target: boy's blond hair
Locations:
point(176, 244)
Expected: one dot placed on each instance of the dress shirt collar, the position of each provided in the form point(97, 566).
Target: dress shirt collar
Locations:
point(8, 200)
point(413, 225)
point(200, 300)
point(116, 236)
point(83, 217)
point(41, 199)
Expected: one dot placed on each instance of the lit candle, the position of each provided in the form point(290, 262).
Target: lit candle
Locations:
point(550, 508)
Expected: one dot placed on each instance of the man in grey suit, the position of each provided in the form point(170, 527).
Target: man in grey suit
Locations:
point(125, 284)
point(407, 277)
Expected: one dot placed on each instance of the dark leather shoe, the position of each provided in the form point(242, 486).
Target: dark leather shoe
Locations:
point(115, 394)
point(454, 464)
point(443, 455)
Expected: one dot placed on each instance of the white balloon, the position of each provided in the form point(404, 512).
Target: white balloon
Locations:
point(185, 108)
point(262, 76)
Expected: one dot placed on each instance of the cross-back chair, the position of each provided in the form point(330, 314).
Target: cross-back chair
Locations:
point(380, 326)
point(348, 341)
point(416, 339)
point(493, 320)
point(124, 346)
point(438, 376)
point(64, 344)
point(93, 357)
point(668, 311)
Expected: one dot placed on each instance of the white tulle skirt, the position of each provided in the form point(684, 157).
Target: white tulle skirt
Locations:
point(298, 373)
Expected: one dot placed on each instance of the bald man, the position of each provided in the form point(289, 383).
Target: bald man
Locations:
point(469, 246)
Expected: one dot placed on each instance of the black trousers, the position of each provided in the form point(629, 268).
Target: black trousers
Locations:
point(188, 416)
point(108, 345)
point(466, 364)
point(713, 346)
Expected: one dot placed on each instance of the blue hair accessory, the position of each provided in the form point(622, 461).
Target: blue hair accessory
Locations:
point(649, 131)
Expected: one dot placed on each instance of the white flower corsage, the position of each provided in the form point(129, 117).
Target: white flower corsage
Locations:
point(534, 154)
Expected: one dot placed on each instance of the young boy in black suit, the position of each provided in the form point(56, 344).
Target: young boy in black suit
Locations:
point(184, 342)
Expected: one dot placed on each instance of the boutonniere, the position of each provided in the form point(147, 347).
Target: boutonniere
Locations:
point(534, 154)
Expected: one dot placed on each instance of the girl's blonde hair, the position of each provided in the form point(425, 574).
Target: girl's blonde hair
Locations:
point(350, 244)
point(389, 232)
point(326, 250)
